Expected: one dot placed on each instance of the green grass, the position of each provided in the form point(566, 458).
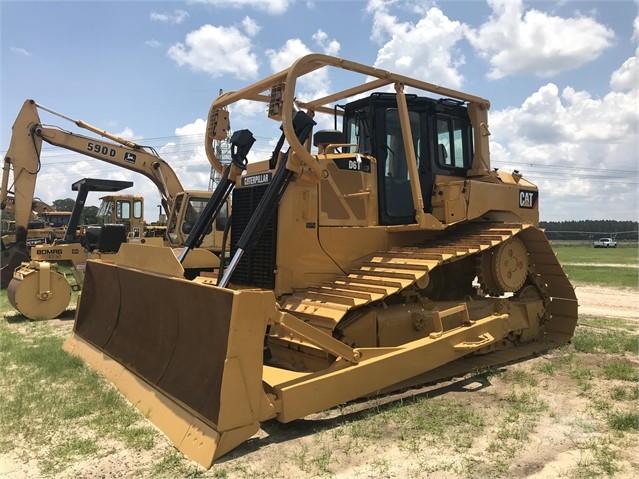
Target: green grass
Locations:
point(590, 340)
point(66, 451)
point(607, 323)
point(173, 465)
point(623, 370)
point(599, 460)
point(624, 421)
point(47, 392)
point(620, 393)
point(588, 254)
point(603, 275)
point(581, 265)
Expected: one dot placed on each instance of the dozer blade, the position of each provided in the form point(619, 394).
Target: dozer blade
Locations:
point(187, 354)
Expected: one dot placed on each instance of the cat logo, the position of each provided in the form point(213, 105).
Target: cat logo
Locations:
point(129, 157)
point(260, 179)
point(528, 199)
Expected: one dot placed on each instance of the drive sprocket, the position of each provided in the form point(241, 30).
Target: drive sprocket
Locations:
point(503, 269)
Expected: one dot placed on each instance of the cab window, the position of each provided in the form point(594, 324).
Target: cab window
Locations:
point(399, 200)
point(137, 209)
point(452, 148)
point(122, 210)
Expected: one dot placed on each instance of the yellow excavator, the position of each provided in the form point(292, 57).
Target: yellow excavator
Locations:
point(182, 207)
point(380, 253)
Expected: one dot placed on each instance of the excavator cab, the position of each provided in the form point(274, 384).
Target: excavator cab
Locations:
point(188, 207)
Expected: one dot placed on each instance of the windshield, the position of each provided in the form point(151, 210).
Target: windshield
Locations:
point(57, 220)
point(105, 209)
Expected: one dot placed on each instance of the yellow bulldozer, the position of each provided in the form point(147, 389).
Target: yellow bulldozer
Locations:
point(379, 251)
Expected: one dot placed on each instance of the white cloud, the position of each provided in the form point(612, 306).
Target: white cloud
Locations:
point(574, 147)
point(272, 7)
point(153, 43)
point(533, 42)
point(627, 76)
point(251, 27)
point(285, 56)
point(424, 49)
point(127, 134)
point(329, 47)
point(178, 16)
point(313, 83)
point(187, 156)
point(216, 51)
point(247, 109)
point(19, 51)
point(198, 127)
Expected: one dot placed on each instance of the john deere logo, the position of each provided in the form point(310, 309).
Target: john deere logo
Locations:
point(528, 199)
point(129, 157)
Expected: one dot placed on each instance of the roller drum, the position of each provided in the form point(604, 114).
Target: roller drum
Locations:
point(25, 296)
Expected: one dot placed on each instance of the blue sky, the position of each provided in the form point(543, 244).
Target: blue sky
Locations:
point(562, 78)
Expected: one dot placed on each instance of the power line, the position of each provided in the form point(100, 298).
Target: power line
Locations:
point(58, 156)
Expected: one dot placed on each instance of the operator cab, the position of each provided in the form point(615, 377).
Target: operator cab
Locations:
point(127, 210)
point(442, 138)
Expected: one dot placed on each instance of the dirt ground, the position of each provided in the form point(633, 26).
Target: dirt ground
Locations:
point(608, 302)
point(562, 441)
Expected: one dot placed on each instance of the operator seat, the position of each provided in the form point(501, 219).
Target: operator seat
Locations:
point(111, 237)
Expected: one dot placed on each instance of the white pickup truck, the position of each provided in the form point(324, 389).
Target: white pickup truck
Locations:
point(605, 243)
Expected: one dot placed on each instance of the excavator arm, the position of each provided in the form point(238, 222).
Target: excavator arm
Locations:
point(132, 158)
point(26, 144)
point(24, 156)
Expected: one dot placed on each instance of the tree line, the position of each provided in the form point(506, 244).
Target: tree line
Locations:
point(89, 214)
point(591, 229)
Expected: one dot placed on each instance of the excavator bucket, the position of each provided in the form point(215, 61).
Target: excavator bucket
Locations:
point(187, 354)
point(12, 257)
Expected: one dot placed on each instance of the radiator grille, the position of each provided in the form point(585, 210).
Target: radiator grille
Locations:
point(257, 266)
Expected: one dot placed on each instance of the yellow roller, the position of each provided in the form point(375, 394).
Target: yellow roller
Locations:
point(38, 291)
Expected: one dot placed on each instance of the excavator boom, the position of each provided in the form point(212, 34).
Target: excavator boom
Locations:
point(28, 132)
